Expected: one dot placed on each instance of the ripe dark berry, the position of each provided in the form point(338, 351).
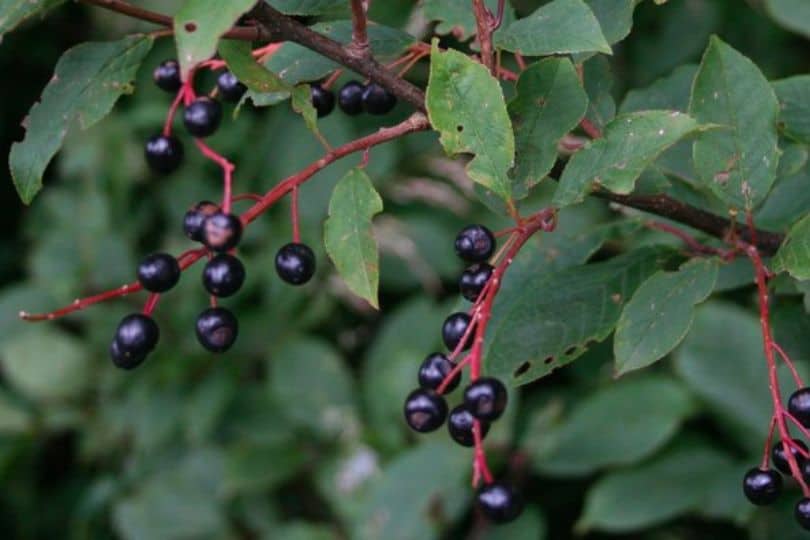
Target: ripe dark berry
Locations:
point(125, 360)
point(295, 263)
point(475, 243)
point(433, 371)
point(460, 426)
point(158, 272)
point(486, 398)
point(221, 231)
point(802, 513)
point(425, 410)
point(163, 153)
point(473, 280)
point(350, 98)
point(378, 100)
point(322, 99)
point(167, 76)
point(136, 336)
point(499, 502)
point(223, 275)
point(230, 88)
point(217, 329)
point(762, 487)
point(779, 457)
point(194, 220)
point(202, 116)
point(453, 330)
point(799, 406)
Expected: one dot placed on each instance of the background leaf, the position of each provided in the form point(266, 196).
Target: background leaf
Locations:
point(16, 12)
point(794, 253)
point(791, 14)
point(794, 114)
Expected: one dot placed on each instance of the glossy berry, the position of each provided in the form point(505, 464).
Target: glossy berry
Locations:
point(499, 502)
point(779, 457)
point(221, 232)
point(460, 426)
point(762, 487)
point(164, 154)
point(322, 99)
point(425, 410)
point(230, 88)
point(378, 100)
point(473, 280)
point(295, 263)
point(194, 220)
point(486, 398)
point(217, 329)
point(124, 360)
point(167, 76)
point(799, 406)
point(433, 371)
point(223, 275)
point(136, 336)
point(802, 513)
point(475, 243)
point(158, 272)
point(202, 116)
point(350, 98)
point(453, 330)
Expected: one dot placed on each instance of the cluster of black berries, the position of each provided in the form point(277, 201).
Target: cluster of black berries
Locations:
point(763, 486)
point(484, 399)
point(353, 99)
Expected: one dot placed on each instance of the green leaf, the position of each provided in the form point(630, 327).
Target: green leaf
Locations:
point(794, 113)
point(794, 253)
point(618, 425)
point(13, 417)
point(556, 316)
point(559, 27)
point(15, 12)
point(630, 143)
point(659, 314)
point(302, 104)
point(457, 18)
point(549, 104)
point(198, 26)
point(670, 92)
point(787, 202)
point(89, 79)
point(598, 81)
point(306, 7)
point(466, 106)
point(791, 14)
point(531, 525)
point(615, 17)
point(237, 54)
point(349, 237)
point(738, 162)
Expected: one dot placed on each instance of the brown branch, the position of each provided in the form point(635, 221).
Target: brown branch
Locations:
point(359, 45)
point(484, 25)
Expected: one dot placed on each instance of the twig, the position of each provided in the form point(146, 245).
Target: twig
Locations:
point(359, 45)
point(484, 25)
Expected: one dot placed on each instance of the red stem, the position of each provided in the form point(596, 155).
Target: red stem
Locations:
point(590, 129)
point(150, 304)
point(766, 455)
point(295, 221)
point(167, 126)
point(480, 466)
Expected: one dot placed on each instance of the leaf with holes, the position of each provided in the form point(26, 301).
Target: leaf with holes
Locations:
point(794, 110)
point(794, 253)
point(466, 106)
point(738, 163)
point(659, 314)
point(237, 54)
point(88, 80)
point(15, 12)
point(349, 237)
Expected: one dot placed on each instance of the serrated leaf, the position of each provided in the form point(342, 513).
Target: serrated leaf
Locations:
point(306, 7)
point(198, 26)
point(237, 54)
point(457, 18)
point(555, 318)
point(348, 235)
point(791, 14)
point(737, 163)
point(466, 106)
point(549, 104)
point(559, 27)
point(659, 314)
point(88, 80)
point(15, 12)
point(794, 110)
point(630, 143)
point(794, 253)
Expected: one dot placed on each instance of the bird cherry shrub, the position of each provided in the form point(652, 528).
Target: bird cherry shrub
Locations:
point(704, 172)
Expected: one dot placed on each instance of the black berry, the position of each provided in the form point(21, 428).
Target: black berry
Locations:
point(453, 330)
point(125, 360)
point(475, 243)
point(223, 275)
point(164, 153)
point(473, 280)
point(802, 513)
point(135, 337)
point(202, 116)
point(460, 426)
point(378, 100)
point(499, 502)
point(167, 76)
point(425, 410)
point(762, 487)
point(350, 98)
point(779, 457)
point(158, 272)
point(217, 329)
point(322, 99)
point(433, 371)
point(295, 263)
point(230, 88)
point(194, 220)
point(221, 231)
point(799, 406)
point(486, 398)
